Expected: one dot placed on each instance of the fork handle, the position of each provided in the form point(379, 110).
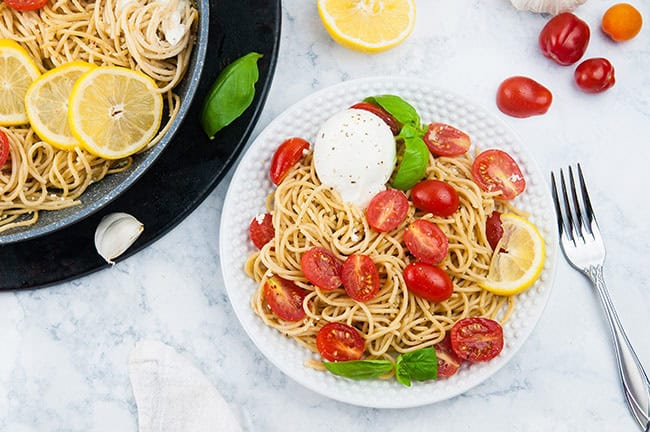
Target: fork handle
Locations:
point(634, 379)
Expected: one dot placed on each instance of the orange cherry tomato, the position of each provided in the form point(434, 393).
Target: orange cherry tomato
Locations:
point(622, 22)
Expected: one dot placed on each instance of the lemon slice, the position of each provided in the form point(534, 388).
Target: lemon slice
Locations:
point(114, 111)
point(368, 25)
point(17, 72)
point(46, 103)
point(521, 259)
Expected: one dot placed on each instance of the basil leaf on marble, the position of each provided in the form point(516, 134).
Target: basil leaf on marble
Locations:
point(232, 92)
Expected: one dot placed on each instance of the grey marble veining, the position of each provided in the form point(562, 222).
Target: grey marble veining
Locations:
point(64, 350)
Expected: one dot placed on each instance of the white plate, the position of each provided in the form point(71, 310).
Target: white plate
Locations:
point(250, 186)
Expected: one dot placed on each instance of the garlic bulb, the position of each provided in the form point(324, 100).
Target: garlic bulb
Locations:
point(547, 6)
point(115, 233)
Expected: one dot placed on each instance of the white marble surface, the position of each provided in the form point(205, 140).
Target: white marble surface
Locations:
point(64, 350)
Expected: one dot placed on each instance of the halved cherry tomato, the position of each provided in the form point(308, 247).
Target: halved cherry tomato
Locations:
point(448, 361)
point(428, 281)
point(4, 148)
point(445, 140)
point(523, 97)
point(285, 298)
point(26, 5)
point(564, 38)
point(340, 342)
point(477, 339)
point(493, 229)
point(496, 171)
point(321, 268)
point(387, 210)
point(436, 197)
point(360, 277)
point(426, 241)
point(392, 123)
point(286, 156)
point(595, 75)
point(261, 230)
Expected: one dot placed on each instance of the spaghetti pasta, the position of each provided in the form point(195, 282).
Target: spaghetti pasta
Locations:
point(152, 36)
point(306, 214)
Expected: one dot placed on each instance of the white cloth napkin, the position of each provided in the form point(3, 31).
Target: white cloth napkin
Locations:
point(172, 395)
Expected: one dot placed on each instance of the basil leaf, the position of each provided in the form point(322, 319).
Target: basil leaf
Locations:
point(412, 165)
point(232, 92)
point(420, 365)
point(359, 369)
point(398, 108)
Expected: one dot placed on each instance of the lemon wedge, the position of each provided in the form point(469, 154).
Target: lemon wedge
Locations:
point(520, 260)
point(368, 25)
point(46, 103)
point(17, 72)
point(113, 111)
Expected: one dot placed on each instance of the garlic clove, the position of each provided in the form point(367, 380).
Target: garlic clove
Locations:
point(547, 6)
point(115, 233)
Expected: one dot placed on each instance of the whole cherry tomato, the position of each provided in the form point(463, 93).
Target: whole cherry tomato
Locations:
point(564, 38)
point(340, 342)
point(436, 197)
point(428, 281)
point(595, 75)
point(522, 97)
point(285, 157)
point(26, 5)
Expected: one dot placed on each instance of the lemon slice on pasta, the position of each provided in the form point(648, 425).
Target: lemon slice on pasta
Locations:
point(368, 26)
point(46, 103)
point(17, 72)
point(520, 259)
point(114, 111)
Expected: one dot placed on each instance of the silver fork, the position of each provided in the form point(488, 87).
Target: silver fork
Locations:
point(584, 249)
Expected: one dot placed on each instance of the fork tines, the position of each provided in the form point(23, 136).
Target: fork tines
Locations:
point(575, 216)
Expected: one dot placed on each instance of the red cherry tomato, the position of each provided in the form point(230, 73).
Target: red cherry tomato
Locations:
point(4, 148)
point(523, 97)
point(285, 157)
point(493, 229)
point(285, 298)
point(428, 281)
point(321, 268)
point(564, 38)
point(426, 241)
point(392, 123)
point(496, 171)
point(595, 75)
point(360, 277)
point(436, 197)
point(387, 210)
point(261, 230)
point(477, 339)
point(448, 361)
point(340, 342)
point(26, 5)
point(445, 140)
